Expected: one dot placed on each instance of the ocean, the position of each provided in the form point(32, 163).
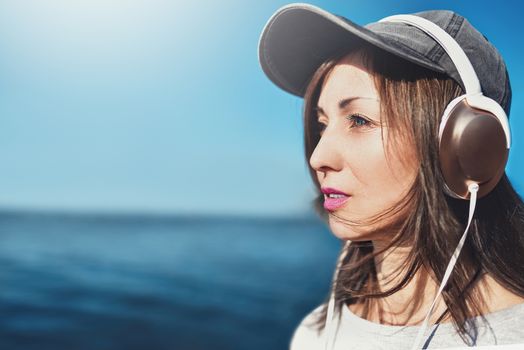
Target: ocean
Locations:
point(73, 281)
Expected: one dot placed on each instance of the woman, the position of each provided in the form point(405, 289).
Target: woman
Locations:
point(374, 100)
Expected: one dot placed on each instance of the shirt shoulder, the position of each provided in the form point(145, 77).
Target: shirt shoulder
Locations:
point(506, 325)
point(306, 335)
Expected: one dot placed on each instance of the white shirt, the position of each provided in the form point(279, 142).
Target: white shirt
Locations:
point(504, 327)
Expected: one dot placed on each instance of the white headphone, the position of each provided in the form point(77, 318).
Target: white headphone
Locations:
point(474, 132)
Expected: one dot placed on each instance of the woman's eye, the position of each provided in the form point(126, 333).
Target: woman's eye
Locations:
point(358, 120)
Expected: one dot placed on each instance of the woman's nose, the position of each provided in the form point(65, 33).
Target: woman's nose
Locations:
point(326, 154)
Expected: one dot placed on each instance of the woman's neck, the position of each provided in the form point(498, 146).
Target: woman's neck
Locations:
point(409, 305)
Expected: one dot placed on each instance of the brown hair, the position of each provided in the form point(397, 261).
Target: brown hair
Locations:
point(412, 101)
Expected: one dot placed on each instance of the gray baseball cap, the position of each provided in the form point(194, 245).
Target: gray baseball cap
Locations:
point(299, 37)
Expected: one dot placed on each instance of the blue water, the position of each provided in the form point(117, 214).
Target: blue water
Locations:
point(146, 282)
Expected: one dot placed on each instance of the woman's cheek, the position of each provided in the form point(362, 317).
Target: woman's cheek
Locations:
point(378, 185)
point(368, 163)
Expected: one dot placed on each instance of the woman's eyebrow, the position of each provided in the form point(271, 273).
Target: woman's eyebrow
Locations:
point(346, 101)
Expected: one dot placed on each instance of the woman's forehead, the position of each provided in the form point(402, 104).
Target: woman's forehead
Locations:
point(347, 81)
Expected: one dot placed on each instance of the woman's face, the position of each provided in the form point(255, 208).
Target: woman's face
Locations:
point(350, 156)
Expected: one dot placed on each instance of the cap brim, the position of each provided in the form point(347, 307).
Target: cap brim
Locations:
point(299, 37)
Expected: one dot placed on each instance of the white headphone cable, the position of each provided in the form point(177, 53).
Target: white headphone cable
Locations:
point(473, 189)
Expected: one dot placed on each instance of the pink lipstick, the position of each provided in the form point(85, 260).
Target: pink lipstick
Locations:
point(333, 198)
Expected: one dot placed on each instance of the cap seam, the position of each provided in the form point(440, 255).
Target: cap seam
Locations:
point(452, 29)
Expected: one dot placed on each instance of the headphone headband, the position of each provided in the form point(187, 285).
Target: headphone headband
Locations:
point(473, 95)
point(453, 49)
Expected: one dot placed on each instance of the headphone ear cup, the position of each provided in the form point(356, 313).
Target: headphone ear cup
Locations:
point(472, 148)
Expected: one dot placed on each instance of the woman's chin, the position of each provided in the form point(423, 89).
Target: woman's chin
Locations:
point(346, 231)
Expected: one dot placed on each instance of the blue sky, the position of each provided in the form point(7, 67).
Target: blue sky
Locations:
point(161, 106)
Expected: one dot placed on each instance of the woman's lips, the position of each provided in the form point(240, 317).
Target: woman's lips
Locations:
point(334, 203)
